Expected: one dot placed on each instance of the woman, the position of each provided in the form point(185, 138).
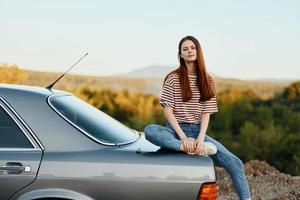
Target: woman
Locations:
point(188, 98)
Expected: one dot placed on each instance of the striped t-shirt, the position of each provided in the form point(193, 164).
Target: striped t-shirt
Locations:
point(190, 111)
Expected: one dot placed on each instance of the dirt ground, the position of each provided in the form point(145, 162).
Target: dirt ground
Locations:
point(265, 183)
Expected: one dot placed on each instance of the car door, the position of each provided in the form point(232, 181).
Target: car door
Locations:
point(20, 155)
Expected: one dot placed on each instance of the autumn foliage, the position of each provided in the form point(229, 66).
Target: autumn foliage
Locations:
point(11, 74)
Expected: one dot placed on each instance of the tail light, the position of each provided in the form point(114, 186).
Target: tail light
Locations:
point(208, 191)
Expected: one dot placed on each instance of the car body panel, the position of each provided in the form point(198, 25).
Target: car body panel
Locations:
point(11, 180)
point(145, 174)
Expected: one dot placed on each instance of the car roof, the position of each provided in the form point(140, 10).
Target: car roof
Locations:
point(34, 90)
point(30, 103)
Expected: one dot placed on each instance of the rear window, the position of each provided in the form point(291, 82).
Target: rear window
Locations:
point(92, 121)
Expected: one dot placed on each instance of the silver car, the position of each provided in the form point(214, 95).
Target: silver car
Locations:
point(55, 146)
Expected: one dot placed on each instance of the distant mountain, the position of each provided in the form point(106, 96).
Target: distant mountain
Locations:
point(155, 71)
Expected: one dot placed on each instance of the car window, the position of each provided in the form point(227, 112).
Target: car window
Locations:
point(92, 121)
point(11, 136)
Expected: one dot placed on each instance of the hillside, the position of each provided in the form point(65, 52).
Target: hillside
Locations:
point(264, 89)
point(71, 82)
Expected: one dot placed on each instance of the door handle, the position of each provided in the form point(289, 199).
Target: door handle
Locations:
point(14, 168)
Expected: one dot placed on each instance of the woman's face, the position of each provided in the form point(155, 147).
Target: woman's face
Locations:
point(188, 51)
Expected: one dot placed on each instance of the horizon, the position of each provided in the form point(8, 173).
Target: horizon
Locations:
point(240, 40)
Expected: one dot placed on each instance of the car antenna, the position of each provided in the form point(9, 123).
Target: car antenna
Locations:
point(49, 87)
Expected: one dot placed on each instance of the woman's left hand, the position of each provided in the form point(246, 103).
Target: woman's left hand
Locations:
point(199, 150)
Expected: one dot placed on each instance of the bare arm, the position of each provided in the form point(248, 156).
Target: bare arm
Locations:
point(174, 123)
point(200, 139)
point(187, 144)
point(204, 124)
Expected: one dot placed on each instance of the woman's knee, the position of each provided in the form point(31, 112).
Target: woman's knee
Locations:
point(236, 163)
point(229, 161)
point(150, 130)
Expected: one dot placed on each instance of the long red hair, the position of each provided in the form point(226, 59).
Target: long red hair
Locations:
point(204, 80)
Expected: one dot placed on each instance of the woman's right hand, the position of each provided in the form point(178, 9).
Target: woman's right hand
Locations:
point(189, 145)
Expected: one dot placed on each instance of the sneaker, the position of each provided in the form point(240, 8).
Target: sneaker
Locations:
point(210, 148)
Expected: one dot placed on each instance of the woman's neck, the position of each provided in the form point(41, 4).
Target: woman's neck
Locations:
point(191, 69)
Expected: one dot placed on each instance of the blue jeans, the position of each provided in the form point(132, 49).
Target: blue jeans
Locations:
point(166, 137)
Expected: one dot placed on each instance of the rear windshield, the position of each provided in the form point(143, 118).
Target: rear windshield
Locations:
point(92, 121)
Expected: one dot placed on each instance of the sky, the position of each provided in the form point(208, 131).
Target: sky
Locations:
point(240, 39)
